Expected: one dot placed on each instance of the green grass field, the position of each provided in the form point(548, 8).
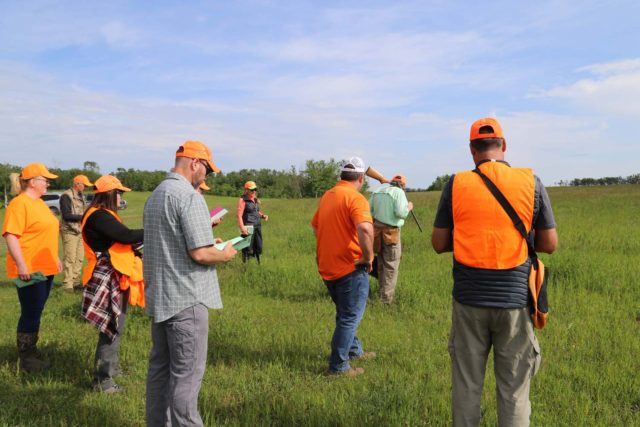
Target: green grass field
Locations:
point(268, 346)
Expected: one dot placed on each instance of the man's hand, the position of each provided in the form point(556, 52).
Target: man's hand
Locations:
point(59, 266)
point(229, 252)
point(244, 231)
point(209, 255)
point(215, 222)
point(410, 206)
point(266, 218)
point(217, 240)
point(368, 264)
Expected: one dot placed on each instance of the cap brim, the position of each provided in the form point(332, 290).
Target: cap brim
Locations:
point(123, 188)
point(213, 166)
point(49, 175)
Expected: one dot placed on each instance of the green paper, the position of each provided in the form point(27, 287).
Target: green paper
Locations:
point(238, 243)
point(35, 278)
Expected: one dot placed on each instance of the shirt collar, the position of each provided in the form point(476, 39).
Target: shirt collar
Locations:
point(177, 176)
point(491, 160)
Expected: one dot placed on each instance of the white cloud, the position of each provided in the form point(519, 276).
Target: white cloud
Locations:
point(613, 90)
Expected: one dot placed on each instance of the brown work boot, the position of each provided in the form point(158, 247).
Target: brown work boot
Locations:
point(350, 373)
point(31, 359)
point(367, 355)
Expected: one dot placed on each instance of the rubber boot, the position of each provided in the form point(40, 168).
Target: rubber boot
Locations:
point(30, 358)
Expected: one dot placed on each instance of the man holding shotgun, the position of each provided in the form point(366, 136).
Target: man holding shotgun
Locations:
point(389, 208)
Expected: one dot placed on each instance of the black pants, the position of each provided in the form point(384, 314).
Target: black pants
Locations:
point(255, 248)
point(32, 300)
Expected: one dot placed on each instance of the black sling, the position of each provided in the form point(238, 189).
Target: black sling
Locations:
point(517, 222)
point(539, 301)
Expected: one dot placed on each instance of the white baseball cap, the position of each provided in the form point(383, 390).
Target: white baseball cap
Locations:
point(353, 164)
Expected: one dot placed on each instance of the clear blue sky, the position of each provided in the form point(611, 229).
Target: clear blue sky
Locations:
point(271, 84)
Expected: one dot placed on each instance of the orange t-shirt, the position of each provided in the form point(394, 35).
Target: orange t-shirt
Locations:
point(37, 231)
point(341, 209)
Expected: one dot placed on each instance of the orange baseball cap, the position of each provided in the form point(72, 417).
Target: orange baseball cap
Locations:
point(490, 127)
point(197, 150)
point(401, 179)
point(250, 185)
point(204, 187)
point(107, 183)
point(82, 179)
point(33, 170)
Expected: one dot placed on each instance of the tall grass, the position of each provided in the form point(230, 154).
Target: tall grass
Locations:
point(268, 346)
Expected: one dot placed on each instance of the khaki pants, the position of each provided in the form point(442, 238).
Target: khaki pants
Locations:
point(388, 266)
point(516, 360)
point(73, 256)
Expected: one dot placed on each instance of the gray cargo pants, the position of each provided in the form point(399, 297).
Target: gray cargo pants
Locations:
point(176, 367)
point(516, 352)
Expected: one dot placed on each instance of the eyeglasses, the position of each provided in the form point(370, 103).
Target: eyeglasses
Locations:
point(208, 169)
point(41, 178)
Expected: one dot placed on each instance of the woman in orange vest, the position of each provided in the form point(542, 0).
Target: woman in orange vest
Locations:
point(31, 232)
point(112, 278)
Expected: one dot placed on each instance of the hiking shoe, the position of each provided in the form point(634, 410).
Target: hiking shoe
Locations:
point(367, 355)
point(350, 373)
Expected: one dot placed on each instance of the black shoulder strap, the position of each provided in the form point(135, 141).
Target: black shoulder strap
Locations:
point(517, 222)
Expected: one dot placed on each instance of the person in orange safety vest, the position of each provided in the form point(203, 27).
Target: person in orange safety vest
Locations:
point(491, 267)
point(112, 277)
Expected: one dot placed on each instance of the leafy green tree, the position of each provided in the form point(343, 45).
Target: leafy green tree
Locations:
point(91, 166)
point(439, 183)
point(319, 176)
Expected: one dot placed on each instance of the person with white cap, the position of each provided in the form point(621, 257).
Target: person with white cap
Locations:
point(72, 207)
point(31, 232)
point(112, 278)
point(181, 285)
point(343, 227)
point(389, 208)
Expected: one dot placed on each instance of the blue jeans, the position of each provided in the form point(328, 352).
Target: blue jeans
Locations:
point(349, 293)
point(32, 300)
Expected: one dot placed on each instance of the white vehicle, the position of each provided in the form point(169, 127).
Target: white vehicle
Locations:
point(53, 201)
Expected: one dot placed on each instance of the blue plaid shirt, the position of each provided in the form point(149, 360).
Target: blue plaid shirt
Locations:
point(176, 220)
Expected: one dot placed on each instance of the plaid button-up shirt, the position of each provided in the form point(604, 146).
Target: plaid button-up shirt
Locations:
point(176, 220)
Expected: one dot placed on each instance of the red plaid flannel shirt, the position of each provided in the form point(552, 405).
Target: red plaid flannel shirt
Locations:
point(102, 298)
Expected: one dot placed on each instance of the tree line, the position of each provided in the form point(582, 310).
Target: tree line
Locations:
point(607, 180)
point(315, 178)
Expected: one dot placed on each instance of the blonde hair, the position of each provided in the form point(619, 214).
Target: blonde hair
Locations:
point(17, 185)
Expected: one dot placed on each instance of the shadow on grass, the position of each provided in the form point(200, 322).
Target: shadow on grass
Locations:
point(56, 396)
point(282, 295)
point(71, 311)
point(231, 353)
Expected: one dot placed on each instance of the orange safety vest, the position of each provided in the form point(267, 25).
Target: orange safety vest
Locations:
point(483, 233)
point(122, 259)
